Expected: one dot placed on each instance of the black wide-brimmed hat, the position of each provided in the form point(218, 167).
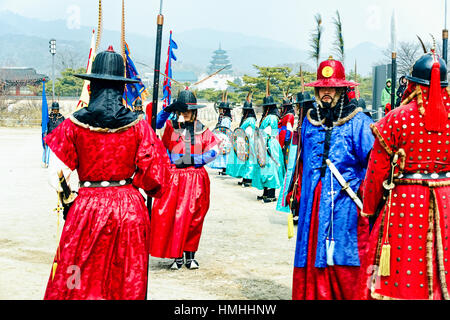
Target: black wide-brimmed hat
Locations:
point(287, 102)
point(304, 97)
point(421, 71)
point(108, 65)
point(225, 105)
point(248, 105)
point(55, 106)
point(268, 101)
point(188, 97)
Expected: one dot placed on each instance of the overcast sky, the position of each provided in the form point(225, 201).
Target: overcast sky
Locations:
point(289, 21)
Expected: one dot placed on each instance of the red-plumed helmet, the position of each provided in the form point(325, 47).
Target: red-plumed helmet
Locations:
point(331, 74)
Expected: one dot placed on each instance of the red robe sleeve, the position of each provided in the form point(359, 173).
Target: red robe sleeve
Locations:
point(152, 162)
point(62, 142)
point(209, 141)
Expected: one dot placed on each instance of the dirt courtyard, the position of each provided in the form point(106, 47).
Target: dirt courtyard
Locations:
point(244, 252)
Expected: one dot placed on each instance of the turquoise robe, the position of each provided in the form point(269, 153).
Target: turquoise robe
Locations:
point(272, 175)
point(238, 168)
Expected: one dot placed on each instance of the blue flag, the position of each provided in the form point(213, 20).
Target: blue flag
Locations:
point(167, 92)
point(133, 90)
point(44, 113)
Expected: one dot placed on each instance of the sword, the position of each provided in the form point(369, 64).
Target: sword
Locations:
point(344, 184)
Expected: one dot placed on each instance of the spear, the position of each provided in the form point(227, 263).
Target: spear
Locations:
point(445, 37)
point(394, 59)
point(302, 79)
point(358, 94)
point(160, 22)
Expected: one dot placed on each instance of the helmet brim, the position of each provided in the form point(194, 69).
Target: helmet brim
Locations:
point(331, 83)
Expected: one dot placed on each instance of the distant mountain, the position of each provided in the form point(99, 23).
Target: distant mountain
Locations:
point(25, 44)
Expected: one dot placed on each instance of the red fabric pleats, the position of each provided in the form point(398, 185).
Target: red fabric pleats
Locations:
point(177, 218)
point(103, 248)
point(330, 283)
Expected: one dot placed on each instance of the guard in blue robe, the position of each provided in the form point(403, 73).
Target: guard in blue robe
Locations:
point(270, 177)
point(225, 120)
point(236, 167)
point(332, 236)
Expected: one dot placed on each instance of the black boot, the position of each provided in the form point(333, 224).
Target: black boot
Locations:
point(191, 263)
point(240, 183)
point(270, 196)
point(246, 183)
point(177, 264)
point(263, 196)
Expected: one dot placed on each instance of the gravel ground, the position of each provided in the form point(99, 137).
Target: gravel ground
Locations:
point(244, 251)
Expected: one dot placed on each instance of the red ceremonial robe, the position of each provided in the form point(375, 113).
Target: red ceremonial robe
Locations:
point(416, 225)
point(177, 218)
point(103, 251)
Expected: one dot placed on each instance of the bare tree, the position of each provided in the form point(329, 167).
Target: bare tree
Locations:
point(68, 57)
point(408, 53)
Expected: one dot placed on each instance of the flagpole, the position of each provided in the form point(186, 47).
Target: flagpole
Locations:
point(445, 37)
point(394, 60)
point(160, 23)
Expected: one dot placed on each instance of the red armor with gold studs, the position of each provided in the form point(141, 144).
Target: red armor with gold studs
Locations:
point(413, 219)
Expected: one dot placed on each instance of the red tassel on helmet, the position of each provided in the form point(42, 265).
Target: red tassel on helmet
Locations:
point(435, 113)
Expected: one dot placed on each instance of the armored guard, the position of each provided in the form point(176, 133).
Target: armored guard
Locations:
point(407, 191)
point(331, 236)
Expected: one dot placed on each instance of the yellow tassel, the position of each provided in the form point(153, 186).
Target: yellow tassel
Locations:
point(290, 226)
point(55, 265)
point(385, 261)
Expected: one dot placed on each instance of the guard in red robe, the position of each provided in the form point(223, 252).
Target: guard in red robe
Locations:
point(177, 218)
point(103, 251)
point(286, 126)
point(407, 191)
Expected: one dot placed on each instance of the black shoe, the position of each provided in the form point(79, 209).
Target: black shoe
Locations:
point(192, 264)
point(247, 185)
point(240, 183)
point(269, 200)
point(177, 264)
point(259, 198)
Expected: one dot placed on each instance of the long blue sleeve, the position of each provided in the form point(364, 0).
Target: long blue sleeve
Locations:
point(162, 118)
